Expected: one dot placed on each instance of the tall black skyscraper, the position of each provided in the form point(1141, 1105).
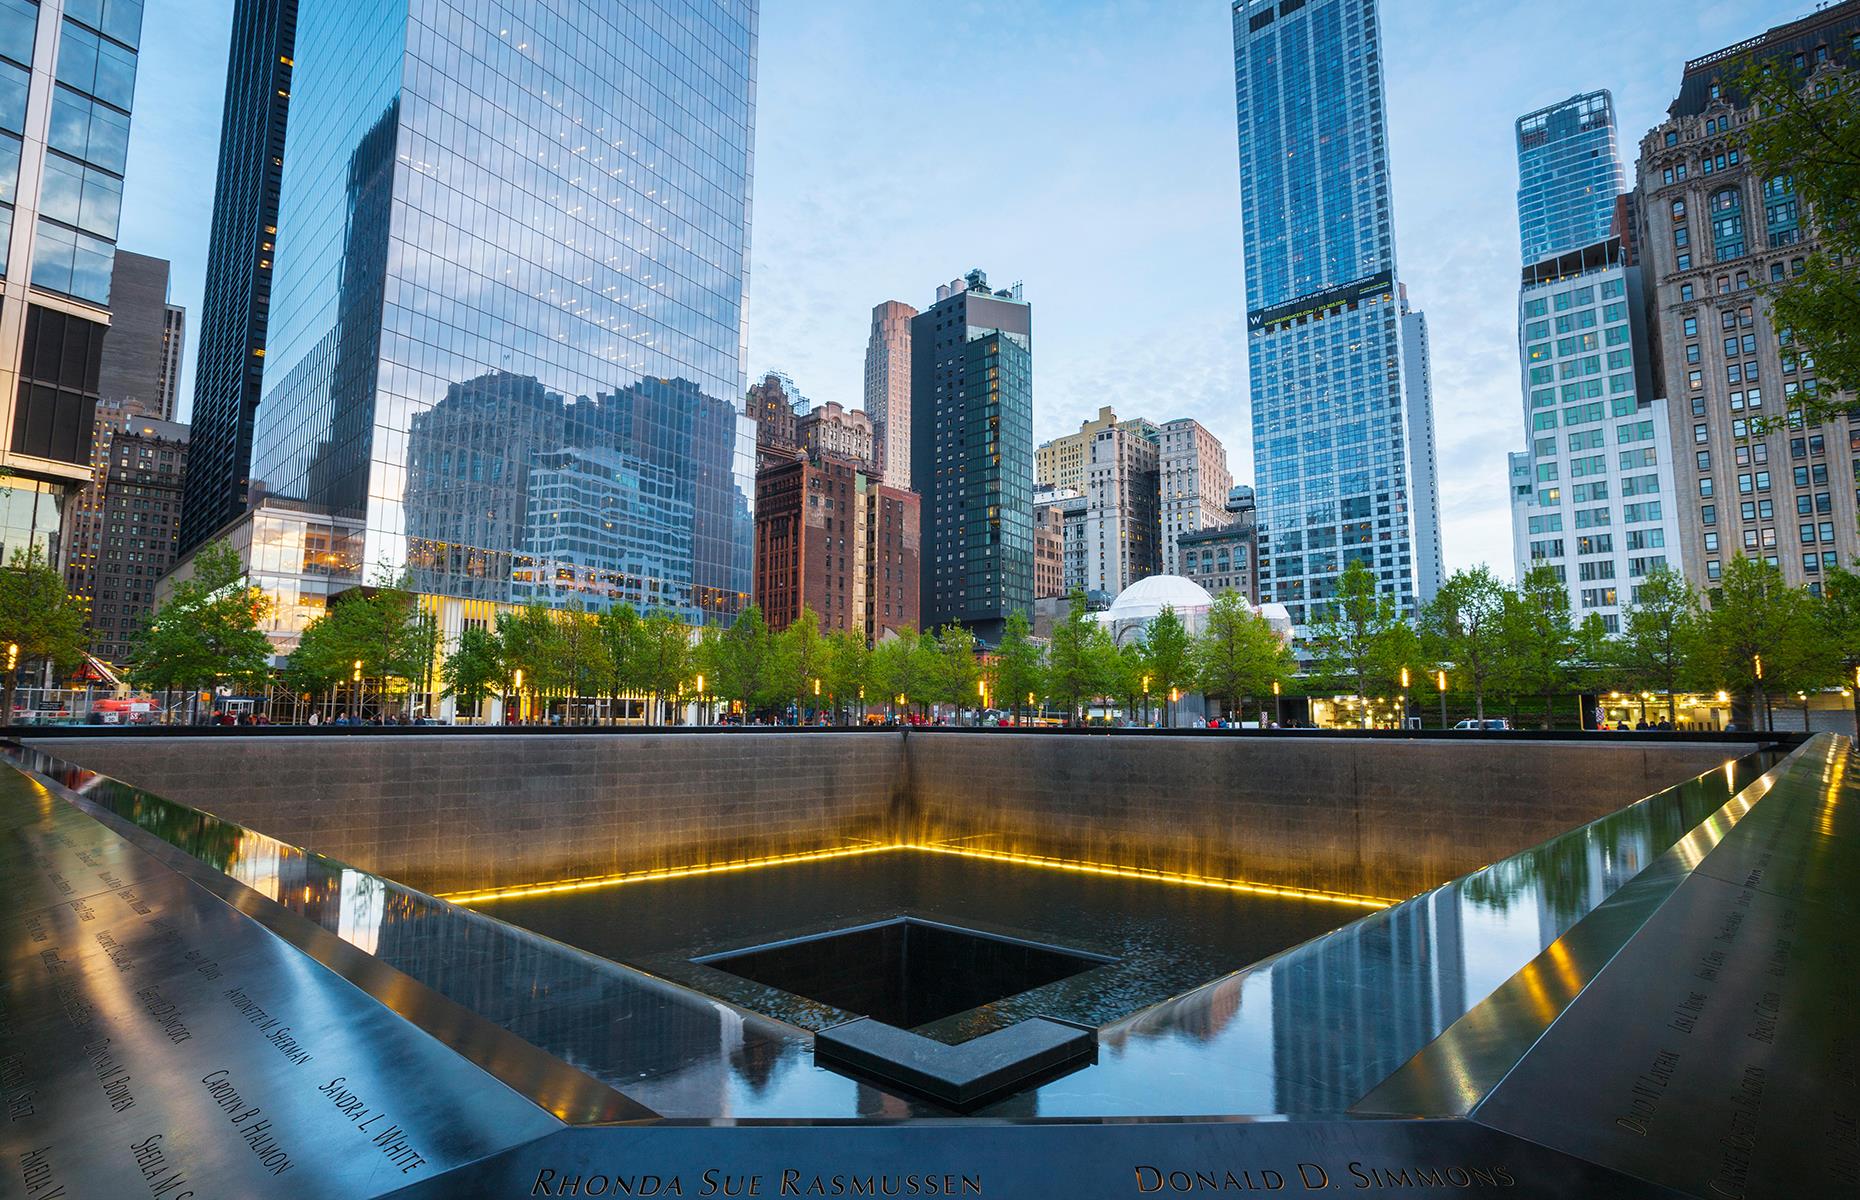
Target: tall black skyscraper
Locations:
point(972, 454)
point(237, 302)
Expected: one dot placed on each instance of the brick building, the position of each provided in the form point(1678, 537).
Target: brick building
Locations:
point(831, 538)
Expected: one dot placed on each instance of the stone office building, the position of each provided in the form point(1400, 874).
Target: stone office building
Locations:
point(836, 432)
point(1753, 478)
point(1221, 557)
point(1194, 480)
point(138, 376)
point(139, 529)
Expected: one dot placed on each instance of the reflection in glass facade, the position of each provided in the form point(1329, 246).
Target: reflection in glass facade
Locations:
point(1569, 173)
point(506, 320)
point(67, 83)
point(1332, 443)
point(229, 379)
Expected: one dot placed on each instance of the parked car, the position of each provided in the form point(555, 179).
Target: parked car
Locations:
point(1488, 723)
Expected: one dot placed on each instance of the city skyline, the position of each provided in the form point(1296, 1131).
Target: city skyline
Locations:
point(1167, 232)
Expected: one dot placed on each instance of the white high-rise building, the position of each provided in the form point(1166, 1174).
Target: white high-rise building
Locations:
point(1592, 496)
point(888, 390)
point(1192, 468)
point(1423, 464)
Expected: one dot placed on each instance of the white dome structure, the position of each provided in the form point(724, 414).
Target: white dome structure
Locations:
point(1147, 597)
point(1137, 605)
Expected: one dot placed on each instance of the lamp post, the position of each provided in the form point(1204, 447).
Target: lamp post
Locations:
point(1401, 720)
point(1278, 705)
point(1440, 681)
point(1762, 712)
point(700, 696)
point(1146, 699)
point(981, 700)
point(816, 695)
point(356, 678)
point(517, 684)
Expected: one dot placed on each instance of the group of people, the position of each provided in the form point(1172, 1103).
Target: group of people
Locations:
point(343, 718)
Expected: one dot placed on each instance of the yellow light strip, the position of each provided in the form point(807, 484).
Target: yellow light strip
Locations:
point(1157, 876)
point(1149, 874)
point(590, 882)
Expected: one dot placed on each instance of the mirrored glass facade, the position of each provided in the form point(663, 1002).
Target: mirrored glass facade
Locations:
point(67, 84)
point(1331, 435)
point(1569, 173)
point(506, 323)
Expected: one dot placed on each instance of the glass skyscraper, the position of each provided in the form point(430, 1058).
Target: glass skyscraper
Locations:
point(504, 344)
point(1569, 173)
point(1333, 448)
point(230, 371)
point(67, 83)
point(972, 454)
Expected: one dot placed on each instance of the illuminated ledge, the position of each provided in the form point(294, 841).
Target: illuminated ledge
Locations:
point(591, 882)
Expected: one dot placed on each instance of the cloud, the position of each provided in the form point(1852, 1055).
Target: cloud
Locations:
point(1087, 149)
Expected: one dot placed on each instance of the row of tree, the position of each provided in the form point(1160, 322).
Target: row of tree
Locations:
point(1497, 643)
point(1757, 636)
point(565, 661)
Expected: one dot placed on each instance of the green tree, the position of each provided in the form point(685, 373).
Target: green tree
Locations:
point(744, 661)
point(1078, 658)
point(1238, 653)
point(1464, 627)
point(531, 661)
point(1539, 637)
point(1840, 625)
point(1658, 635)
point(904, 664)
point(848, 669)
point(1016, 674)
point(1759, 635)
point(474, 669)
point(801, 663)
point(39, 621)
point(1594, 657)
point(1169, 652)
point(957, 669)
point(1805, 146)
point(208, 632)
point(1359, 644)
point(382, 627)
point(619, 631)
point(665, 658)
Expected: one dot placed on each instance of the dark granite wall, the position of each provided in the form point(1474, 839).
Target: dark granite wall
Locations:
point(444, 813)
point(1379, 818)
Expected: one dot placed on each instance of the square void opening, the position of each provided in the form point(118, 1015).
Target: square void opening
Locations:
point(906, 972)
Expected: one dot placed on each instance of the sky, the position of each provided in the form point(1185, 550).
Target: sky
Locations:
point(1086, 149)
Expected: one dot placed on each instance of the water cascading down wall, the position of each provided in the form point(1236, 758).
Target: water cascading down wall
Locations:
point(466, 813)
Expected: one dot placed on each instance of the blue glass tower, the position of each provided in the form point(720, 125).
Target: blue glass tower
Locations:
point(1332, 445)
point(1569, 173)
point(504, 345)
